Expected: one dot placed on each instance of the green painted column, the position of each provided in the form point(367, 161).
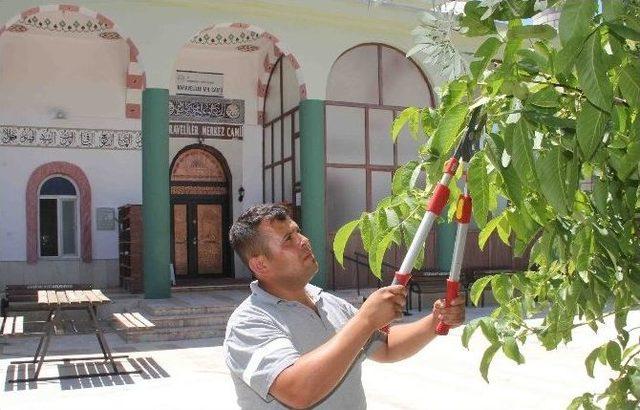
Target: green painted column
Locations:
point(445, 242)
point(155, 193)
point(312, 179)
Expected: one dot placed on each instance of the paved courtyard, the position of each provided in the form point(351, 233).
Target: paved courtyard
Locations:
point(192, 375)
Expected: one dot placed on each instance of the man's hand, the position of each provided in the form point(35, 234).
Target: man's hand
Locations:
point(453, 316)
point(384, 305)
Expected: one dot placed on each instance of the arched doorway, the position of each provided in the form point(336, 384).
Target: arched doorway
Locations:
point(201, 210)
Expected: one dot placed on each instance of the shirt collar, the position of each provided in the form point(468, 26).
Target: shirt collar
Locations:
point(313, 292)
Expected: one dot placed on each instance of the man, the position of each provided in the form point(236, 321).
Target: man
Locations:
point(290, 344)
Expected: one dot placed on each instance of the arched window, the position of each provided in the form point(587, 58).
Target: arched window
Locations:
point(281, 143)
point(63, 177)
point(58, 218)
point(368, 86)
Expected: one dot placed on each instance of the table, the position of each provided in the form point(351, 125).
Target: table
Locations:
point(55, 302)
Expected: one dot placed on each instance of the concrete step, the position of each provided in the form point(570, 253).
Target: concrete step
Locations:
point(193, 315)
point(190, 320)
point(158, 334)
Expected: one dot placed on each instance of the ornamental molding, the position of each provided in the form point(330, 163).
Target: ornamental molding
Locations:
point(225, 39)
point(210, 110)
point(51, 137)
point(86, 25)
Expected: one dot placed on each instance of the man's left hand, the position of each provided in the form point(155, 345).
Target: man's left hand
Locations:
point(453, 316)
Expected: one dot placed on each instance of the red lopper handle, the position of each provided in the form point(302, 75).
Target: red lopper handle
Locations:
point(453, 287)
point(398, 279)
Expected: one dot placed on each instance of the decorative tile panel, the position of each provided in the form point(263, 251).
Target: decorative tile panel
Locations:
point(191, 108)
point(11, 135)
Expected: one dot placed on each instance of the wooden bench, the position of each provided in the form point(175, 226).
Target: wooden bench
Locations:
point(133, 320)
point(25, 297)
point(11, 325)
point(427, 283)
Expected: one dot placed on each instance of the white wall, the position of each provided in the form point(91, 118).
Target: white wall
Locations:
point(115, 178)
point(316, 32)
point(240, 74)
point(40, 74)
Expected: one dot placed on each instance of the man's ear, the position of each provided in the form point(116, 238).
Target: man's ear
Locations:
point(258, 265)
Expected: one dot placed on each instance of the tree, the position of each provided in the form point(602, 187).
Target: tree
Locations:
point(562, 145)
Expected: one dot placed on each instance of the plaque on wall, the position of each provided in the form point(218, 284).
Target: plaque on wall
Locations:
point(199, 83)
point(209, 110)
point(204, 131)
point(106, 219)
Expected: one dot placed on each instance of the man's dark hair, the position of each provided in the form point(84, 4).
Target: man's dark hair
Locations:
point(244, 236)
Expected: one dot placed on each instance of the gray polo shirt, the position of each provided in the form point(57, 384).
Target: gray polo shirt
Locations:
point(266, 334)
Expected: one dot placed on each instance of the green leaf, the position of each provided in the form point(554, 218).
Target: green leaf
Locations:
point(392, 218)
point(449, 128)
point(472, 22)
point(402, 177)
point(468, 331)
point(504, 229)
point(566, 57)
point(575, 20)
point(376, 258)
point(486, 360)
point(478, 181)
point(522, 152)
point(546, 98)
point(592, 74)
point(478, 287)
point(629, 162)
point(614, 355)
point(590, 361)
point(488, 229)
point(341, 238)
point(543, 31)
point(590, 129)
point(612, 9)
point(630, 84)
point(625, 31)
point(551, 168)
point(502, 289)
point(401, 120)
point(488, 47)
point(511, 350)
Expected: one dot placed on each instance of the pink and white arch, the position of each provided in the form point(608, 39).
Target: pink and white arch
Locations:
point(277, 49)
point(35, 180)
point(135, 76)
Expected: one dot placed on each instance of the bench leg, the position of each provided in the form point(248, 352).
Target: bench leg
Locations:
point(101, 340)
point(44, 342)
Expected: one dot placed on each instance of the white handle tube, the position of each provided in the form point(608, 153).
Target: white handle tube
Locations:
point(418, 240)
point(458, 252)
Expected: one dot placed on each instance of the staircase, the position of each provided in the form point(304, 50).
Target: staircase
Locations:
point(195, 314)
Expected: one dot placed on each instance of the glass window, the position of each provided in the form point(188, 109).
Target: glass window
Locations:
point(354, 76)
point(57, 186)
point(345, 135)
point(380, 143)
point(48, 227)
point(69, 227)
point(58, 218)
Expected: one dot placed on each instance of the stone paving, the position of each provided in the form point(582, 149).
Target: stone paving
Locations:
point(192, 375)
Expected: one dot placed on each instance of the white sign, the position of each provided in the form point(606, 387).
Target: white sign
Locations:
point(199, 83)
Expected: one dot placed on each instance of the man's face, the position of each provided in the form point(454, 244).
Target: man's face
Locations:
point(291, 261)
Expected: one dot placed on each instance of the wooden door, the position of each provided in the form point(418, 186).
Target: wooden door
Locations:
point(209, 239)
point(181, 240)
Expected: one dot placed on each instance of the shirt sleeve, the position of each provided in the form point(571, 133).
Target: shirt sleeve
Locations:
point(376, 340)
point(257, 351)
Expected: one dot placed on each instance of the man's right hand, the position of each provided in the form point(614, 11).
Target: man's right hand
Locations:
point(383, 306)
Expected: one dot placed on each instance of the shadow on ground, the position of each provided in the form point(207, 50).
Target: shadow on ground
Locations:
point(147, 368)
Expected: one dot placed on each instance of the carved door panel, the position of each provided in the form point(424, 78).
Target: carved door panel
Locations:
point(209, 239)
point(180, 243)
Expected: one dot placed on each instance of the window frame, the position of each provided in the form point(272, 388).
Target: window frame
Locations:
point(59, 200)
